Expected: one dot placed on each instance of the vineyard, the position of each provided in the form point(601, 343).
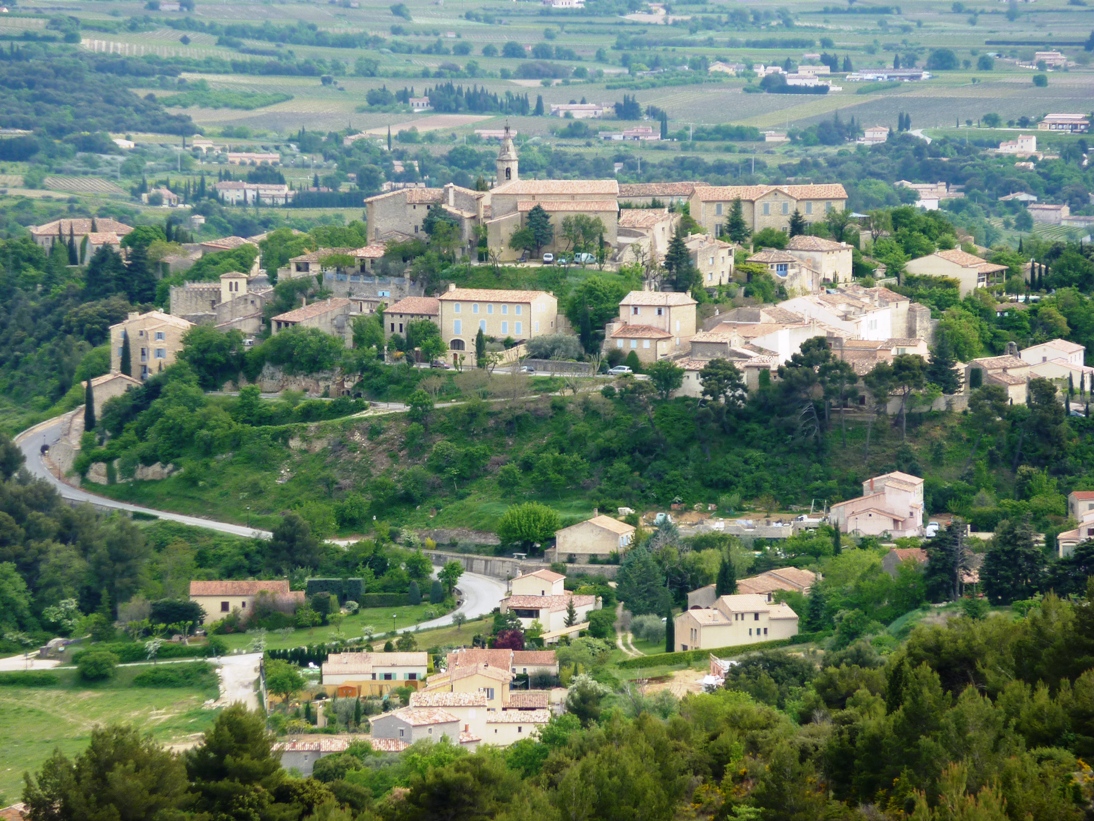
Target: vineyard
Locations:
point(83, 185)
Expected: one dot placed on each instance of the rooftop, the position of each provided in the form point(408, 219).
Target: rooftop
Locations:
point(535, 658)
point(639, 332)
point(442, 699)
point(424, 305)
point(728, 193)
point(658, 189)
point(806, 243)
point(967, 260)
point(553, 604)
point(477, 656)
point(241, 588)
point(490, 295)
point(78, 227)
point(555, 187)
point(314, 310)
point(642, 217)
point(657, 298)
point(528, 700)
point(519, 717)
point(569, 205)
point(421, 716)
point(607, 523)
point(546, 575)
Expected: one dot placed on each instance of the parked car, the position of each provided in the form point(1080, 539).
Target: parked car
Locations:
point(548, 259)
point(436, 363)
point(931, 530)
point(562, 261)
point(584, 259)
point(527, 369)
point(619, 370)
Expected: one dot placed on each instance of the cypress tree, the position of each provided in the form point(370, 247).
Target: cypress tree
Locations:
point(357, 712)
point(414, 594)
point(670, 632)
point(89, 407)
point(436, 592)
point(73, 257)
point(127, 357)
point(480, 349)
point(837, 542)
point(815, 617)
point(736, 227)
point(726, 584)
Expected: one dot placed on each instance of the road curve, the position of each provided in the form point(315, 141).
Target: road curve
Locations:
point(481, 594)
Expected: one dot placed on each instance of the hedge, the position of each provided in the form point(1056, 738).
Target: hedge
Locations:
point(384, 600)
point(198, 674)
point(313, 653)
point(688, 656)
point(344, 589)
point(131, 651)
point(28, 678)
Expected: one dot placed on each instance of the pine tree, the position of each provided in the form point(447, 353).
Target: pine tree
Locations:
point(539, 106)
point(89, 407)
point(816, 618)
point(127, 357)
point(726, 584)
point(797, 223)
point(414, 593)
point(141, 281)
point(571, 613)
point(670, 632)
point(940, 368)
point(678, 262)
point(543, 232)
point(736, 228)
point(1014, 567)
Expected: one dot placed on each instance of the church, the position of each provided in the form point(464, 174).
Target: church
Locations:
point(502, 210)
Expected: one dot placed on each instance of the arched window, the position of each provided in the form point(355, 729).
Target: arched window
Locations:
point(508, 173)
point(457, 345)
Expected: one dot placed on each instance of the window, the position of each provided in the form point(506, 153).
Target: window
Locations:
point(393, 327)
point(388, 677)
point(505, 327)
point(161, 353)
point(411, 676)
point(718, 209)
point(402, 732)
point(519, 328)
point(645, 343)
point(755, 616)
point(161, 336)
point(490, 693)
point(431, 731)
point(504, 310)
point(518, 309)
point(537, 326)
point(827, 207)
point(660, 311)
point(489, 309)
point(475, 308)
point(520, 729)
point(457, 327)
point(224, 607)
point(455, 307)
point(809, 208)
point(619, 343)
point(767, 208)
point(786, 208)
point(383, 293)
point(400, 327)
point(634, 344)
point(415, 227)
point(780, 268)
point(482, 325)
point(634, 310)
point(750, 631)
point(765, 631)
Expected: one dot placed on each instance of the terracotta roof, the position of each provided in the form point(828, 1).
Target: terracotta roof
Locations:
point(496, 673)
point(534, 658)
point(555, 187)
point(900, 476)
point(79, 227)
point(386, 745)
point(477, 656)
point(103, 238)
point(607, 523)
point(314, 310)
point(243, 588)
point(657, 298)
point(785, 578)
point(423, 305)
point(374, 251)
point(657, 189)
point(341, 663)
point(321, 253)
point(421, 716)
point(158, 317)
point(1083, 495)
point(806, 243)
point(490, 295)
point(903, 554)
point(227, 243)
point(469, 738)
point(546, 575)
point(1006, 378)
point(554, 604)
point(727, 193)
point(441, 699)
point(111, 377)
point(16, 812)
point(314, 744)
point(993, 363)
point(528, 700)
point(573, 205)
point(769, 255)
point(1059, 344)
point(642, 217)
point(519, 717)
point(966, 260)
point(744, 601)
point(639, 332)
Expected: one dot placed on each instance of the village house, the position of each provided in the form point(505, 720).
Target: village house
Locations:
point(749, 359)
point(154, 338)
point(1019, 196)
point(332, 316)
point(213, 246)
point(875, 135)
point(1061, 362)
point(542, 596)
point(796, 276)
point(1010, 372)
point(162, 196)
point(400, 214)
point(410, 309)
point(108, 386)
point(597, 538)
point(732, 621)
point(865, 354)
point(235, 302)
point(1024, 146)
point(660, 194)
point(1049, 213)
point(970, 271)
point(578, 111)
point(653, 324)
point(712, 258)
point(732, 69)
point(845, 313)
point(785, 579)
point(644, 233)
point(1067, 123)
point(765, 206)
point(517, 662)
point(932, 194)
point(1051, 59)
point(233, 192)
point(302, 752)
point(253, 158)
point(524, 713)
point(499, 314)
point(412, 724)
point(892, 504)
point(219, 599)
point(832, 260)
point(87, 234)
point(360, 675)
point(887, 75)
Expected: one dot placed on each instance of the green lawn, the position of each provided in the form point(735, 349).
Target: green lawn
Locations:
point(36, 720)
point(353, 627)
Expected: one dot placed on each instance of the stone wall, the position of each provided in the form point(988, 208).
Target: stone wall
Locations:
point(501, 567)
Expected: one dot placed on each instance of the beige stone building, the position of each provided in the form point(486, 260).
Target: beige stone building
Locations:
point(220, 599)
point(511, 202)
point(155, 340)
point(399, 215)
point(598, 537)
point(652, 193)
point(970, 271)
point(713, 258)
point(644, 234)
point(832, 260)
point(785, 579)
point(108, 386)
point(354, 675)
point(1009, 372)
point(733, 621)
point(235, 302)
point(653, 324)
point(796, 276)
point(499, 314)
point(410, 309)
point(765, 206)
point(80, 229)
point(332, 316)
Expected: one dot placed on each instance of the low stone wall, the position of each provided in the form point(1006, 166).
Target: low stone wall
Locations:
point(503, 567)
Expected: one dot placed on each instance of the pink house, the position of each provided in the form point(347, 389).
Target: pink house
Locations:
point(891, 504)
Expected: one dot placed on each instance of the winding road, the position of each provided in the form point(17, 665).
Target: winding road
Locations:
point(481, 594)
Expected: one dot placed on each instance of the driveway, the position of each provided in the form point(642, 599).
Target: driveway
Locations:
point(13, 663)
point(238, 675)
point(481, 594)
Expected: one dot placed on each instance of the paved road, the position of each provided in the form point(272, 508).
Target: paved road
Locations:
point(481, 594)
point(13, 663)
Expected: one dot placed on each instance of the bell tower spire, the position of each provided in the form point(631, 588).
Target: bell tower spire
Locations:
point(507, 161)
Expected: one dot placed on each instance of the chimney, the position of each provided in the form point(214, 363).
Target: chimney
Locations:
point(451, 287)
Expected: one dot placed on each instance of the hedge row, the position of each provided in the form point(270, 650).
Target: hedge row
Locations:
point(688, 656)
point(384, 600)
point(198, 674)
point(131, 651)
point(344, 589)
point(313, 653)
point(28, 678)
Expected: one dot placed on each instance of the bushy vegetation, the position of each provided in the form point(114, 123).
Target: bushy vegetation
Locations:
point(177, 675)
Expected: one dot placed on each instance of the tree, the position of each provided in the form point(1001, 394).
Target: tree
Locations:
point(641, 583)
point(96, 665)
point(581, 232)
point(726, 584)
point(797, 223)
point(414, 593)
point(215, 356)
point(15, 608)
point(722, 382)
point(140, 279)
point(480, 349)
point(105, 275)
point(292, 545)
point(571, 612)
point(176, 611)
point(947, 562)
point(538, 222)
point(436, 592)
point(678, 263)
point(89, 406)
point(584, 698)
point(283, 679)
point(940, 369)
point(527, 525)
point(121, 775)
point(450, 575)
point(837, 221)
point(816, 614)
point(1014, 567)
point(126, 366)
point(666, 377)
point(770, 238)
point(670, 632)
point(736, 228)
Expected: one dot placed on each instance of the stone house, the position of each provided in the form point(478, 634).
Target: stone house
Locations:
point(155, 340)
point(653, 324)
point(832, 260)
point(352, 675)
point(400, 214)
point(598, 537)
point(645, 233)
point(645, 194)
point(517, 662)
point(332, 316)
point(970, 271)
point(712, 258)
point(1009, 372)
point(108, 386)
point(220, 599)
point(45, 236)
point(413, 724)
point(732, 621)
point(236, 302)
point(410, 309)
point(500, 314)
point(796, 276)
point(550, 611)
point(787, 579)
point(765, 206)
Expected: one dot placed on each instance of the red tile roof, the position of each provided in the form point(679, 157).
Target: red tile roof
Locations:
point(242, 588)
point(422, 305)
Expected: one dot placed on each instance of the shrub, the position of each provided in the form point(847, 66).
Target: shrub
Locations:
point(649, 628)
point(28, 678)
point(602, 624)
point(383, 600)
point(198, 674)
point(97, 665)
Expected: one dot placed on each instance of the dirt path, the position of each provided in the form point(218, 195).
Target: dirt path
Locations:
point(238, 675)
point(621, 635)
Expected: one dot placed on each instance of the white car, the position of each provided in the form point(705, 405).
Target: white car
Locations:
point(619, 370)
point(548, 259)
point(584, 259)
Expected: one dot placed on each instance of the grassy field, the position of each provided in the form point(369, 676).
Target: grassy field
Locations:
point(36, 720)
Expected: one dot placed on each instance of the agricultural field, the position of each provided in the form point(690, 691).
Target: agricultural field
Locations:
point(83, 185)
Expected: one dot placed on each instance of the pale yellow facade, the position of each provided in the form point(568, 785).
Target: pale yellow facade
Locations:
point(519, 315)
point(600, 537)
point(733, 621)
point(155, 341)
point(765, 206)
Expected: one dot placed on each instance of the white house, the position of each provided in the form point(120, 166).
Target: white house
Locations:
point(891, 504)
